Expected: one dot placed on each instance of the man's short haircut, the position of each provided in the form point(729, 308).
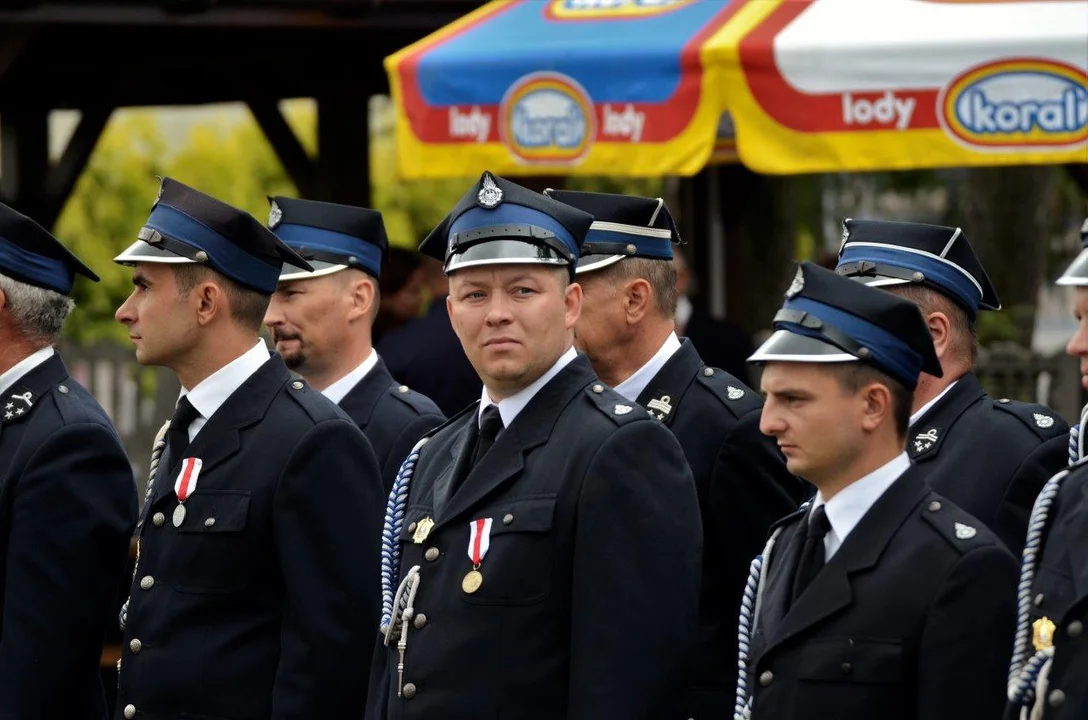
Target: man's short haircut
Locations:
point(37, 313)
point(660, 274)
point(853, 376)
point(247, 307)
point(964, 339)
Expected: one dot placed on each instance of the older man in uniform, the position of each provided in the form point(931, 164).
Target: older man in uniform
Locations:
point(67, 496)
point(1050, 655)
point(991, 457)
point(255, 589)
point(321, 323)
point(882, 599)
point(544, 554)
point(627, 329)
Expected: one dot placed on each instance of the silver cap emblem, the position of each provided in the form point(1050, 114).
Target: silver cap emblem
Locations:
point(275, 215)
point(490, 194)
point(797, 285)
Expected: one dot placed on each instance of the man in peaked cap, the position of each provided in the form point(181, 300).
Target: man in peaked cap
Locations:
point(880, 599)
point(321, 323)
point(991, 457)
point(544, 543)
point(627, 329)
point(67, 495)
point(1050, 655)
point(254, 593)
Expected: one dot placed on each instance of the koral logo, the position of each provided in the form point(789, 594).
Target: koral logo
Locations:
point(547, 118)
point(609, 9)
point(885, 110)
point(1017, 103)
point(625, 122)
point(473, 125)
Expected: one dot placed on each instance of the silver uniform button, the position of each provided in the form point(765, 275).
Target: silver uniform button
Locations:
point(209, 522)
point(158, 519)
point(409, 691)
point(135, 646)
point(402, 389)
point(411, 527)
point(934, 506)
point(1039, 600)
point(1075, 629)
point(147, 582)
point(507, 519)
point(598, 388)
point(63, 388)
point(130, 712)
point(1056, 699)
point(419, 621)
point(297, 385)
point(708, 371)
point(766, 678)
point(431, 554)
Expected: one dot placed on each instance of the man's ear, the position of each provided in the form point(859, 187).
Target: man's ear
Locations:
point(940, 329)
point(362, 297)
point(637, 298)
point(878, 406)
point(209, 301)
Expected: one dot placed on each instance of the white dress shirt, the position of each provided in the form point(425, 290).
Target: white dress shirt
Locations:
point(511, 406)
point(16, 371)
point(210, 394)
point(925, 408)
point(846, 509)
point(633, 386)
point(344, 385)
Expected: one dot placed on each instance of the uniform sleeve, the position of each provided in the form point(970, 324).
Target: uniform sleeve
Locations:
point(327, 518)
point(403, 444)
point(963, 660)
point(1047, 459)
point(636, 569)
point(72, 517)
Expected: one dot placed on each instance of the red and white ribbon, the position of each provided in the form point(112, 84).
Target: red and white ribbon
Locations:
point(479, 540)
point(185, 485)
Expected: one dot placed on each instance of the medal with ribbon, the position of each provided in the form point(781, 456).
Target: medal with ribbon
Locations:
point(185, 485)
point(479, 541)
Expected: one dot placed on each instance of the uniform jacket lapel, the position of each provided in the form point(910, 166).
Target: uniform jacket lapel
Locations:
point(925, 437)
point(21, 398)
point(457, 460)
point(663, 394)
point(361, 400)
point(830, 589)
point(220, 437)
point(506, 457)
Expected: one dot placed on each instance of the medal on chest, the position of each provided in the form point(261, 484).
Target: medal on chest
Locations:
point(185, 485)
point(479, 542)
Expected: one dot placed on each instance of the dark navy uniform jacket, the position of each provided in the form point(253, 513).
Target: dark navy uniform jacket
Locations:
point(911, 619)
point(67, 509)
point(392, 416)
point(743, 486)
point(262, 604)
point(990, 457)
point(1060, 593)
point(590, 586)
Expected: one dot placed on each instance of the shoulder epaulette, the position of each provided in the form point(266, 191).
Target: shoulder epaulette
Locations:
point(962, 531)
point(735, 395)
point(419, 402)
point(616, 406)
point(1040, 419)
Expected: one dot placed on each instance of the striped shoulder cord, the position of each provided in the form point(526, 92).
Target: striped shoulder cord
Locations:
point(1024, 668)
point(749, 617)
point(153, 468)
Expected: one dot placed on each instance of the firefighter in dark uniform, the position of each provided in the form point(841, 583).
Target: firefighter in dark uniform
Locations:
point(628, 331)
point(882, 599)
point(67, 496)
point(321, 323)
point(1050, 656)
point(255, 589)
point(989, 456)
point(543, 546)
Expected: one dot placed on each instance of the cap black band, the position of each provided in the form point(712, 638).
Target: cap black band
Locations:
point(531, 233)
point(826, 332)
point(865, 268)
point(152, 236)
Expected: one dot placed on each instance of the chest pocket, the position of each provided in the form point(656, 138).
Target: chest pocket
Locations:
point(852, 661)
point(211, 551)
point(518, 567)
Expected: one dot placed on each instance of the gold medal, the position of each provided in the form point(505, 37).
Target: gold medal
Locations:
point(472, 582)
point(423, 529)
point(1042, 635)
point(179, 515)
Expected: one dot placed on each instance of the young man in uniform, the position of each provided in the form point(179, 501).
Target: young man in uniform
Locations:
point(627, 328)
point(990, 457)
point(255, 589)
point(321, 323)
point(543, 555)
point(882, 599)
point(1050, 655)
point(67, 496)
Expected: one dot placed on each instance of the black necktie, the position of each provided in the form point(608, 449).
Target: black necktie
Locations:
point(177, 437)
point(812, 554)
point(490, 427)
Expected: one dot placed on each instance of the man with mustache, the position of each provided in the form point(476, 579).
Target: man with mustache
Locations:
point(542, 547)
point(321, 323)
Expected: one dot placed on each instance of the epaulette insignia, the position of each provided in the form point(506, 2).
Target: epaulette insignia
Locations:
point(17, 404)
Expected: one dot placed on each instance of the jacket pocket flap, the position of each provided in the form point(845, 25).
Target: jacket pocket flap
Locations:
point(852, 660)
point(526, 515)
point(215, 511)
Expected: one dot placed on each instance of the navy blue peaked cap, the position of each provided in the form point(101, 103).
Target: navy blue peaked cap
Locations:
point(188, 226)
point(830, 318)
point(884, 253)
point(331, 237)
point(623, 226)
point(30, 254)
point(1077, 272)
point(499, 222)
